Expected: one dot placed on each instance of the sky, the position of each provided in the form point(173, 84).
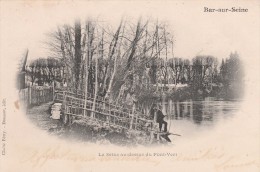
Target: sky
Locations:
point(195, 32)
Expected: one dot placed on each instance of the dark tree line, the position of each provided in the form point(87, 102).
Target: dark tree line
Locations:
point(232, 76)
point(202, 75)
point(45, 71)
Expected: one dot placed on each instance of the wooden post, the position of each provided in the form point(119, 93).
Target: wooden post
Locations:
point(152, 131)
point(191, 109)
point(135, 116)
point(158, 136)
point(132, 118)
point(109, 112)
point(155, 116)
point(29, 95)
point(64, 101)
point(178, 109)
point(53, 90)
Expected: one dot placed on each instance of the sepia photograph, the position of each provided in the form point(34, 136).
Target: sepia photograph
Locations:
point(127, 85)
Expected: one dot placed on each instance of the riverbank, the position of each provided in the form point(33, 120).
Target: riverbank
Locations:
point(88, 129)
point(40, 116)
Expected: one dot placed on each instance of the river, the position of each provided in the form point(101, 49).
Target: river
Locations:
point(193, 116)
point(187, 118)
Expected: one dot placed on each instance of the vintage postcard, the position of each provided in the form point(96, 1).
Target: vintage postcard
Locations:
point(99, 86)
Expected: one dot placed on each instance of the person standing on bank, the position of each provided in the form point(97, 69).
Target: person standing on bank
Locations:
point(159, 117)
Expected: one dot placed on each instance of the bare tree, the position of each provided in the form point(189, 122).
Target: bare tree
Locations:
point(122, 56)
point(78, 55)
point(112, 50)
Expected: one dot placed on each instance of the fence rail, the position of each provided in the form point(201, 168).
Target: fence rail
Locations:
point(35, 95)
point(104, 111)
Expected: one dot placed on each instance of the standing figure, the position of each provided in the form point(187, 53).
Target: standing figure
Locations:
point(159, 117)
point(160, 120)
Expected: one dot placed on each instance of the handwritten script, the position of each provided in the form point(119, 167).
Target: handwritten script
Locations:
point(218, 157)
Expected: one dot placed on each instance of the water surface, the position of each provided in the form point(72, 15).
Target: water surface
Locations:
point(187, 117)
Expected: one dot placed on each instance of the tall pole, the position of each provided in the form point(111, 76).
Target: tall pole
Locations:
point(86, 68)
point(96, 84)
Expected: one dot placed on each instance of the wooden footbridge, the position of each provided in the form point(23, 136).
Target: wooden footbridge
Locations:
point(100, 114)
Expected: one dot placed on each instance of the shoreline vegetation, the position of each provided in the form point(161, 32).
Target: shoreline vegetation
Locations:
point(186, 93)
point(193, 81)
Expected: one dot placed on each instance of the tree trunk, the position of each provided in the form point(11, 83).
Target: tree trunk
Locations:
point(116, 37)
point(77, 53)
point(166, 62)
point(86, 68)
point(96, 85)
point(115, 61)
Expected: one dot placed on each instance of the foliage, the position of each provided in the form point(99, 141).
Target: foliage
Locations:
point(45, 70)
point(123, 53)
point(135, 57)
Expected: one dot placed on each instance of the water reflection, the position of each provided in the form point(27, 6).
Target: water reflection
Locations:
point(207, 111)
